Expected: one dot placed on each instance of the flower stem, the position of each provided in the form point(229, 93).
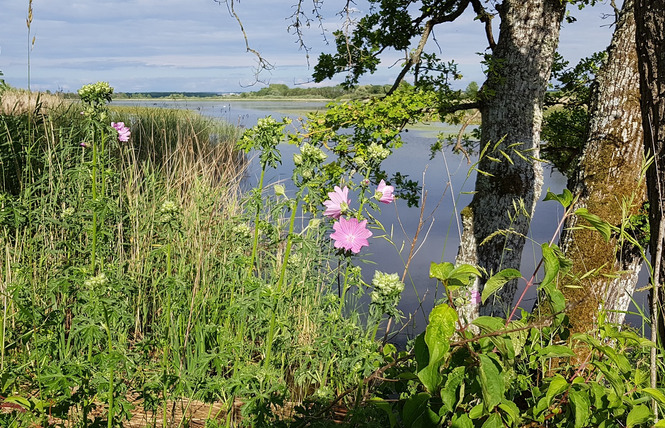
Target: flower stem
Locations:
point(256, 221)
point(280, 282)
point(112, 371)
point(94, 208)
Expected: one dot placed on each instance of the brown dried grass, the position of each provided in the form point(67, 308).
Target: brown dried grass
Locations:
point(19, 101)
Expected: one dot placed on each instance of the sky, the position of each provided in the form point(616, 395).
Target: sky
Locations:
point(197, 45)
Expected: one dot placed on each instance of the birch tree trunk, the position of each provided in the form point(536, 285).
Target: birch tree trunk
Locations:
point(609, 185)
point(650, 37)
point(507, 190)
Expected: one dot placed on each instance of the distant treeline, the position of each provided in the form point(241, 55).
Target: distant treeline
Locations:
point(275, 90)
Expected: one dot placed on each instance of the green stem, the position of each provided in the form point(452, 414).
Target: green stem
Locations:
point(94, 207)
point(112, 371)
point(256, 221)
point(344, 287)
point(280, 281)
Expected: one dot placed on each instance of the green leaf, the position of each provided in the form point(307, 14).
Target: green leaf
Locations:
point(476, 411)
point(386, 407)
point(511, 411)
point(612, 378)
point(638, 415)
point(497, 281)
point(551, 264)
point(556, 351)
point(620, 360)
point(440, 329)
point(565, 198)
point(441, 271)
point(494, 421)
point(489, 324)
point(581, 407)
point(518, 337)
point(492, 325)
point(417, 412)
point(656, 394)
point(448, 274)
point(18, 400)
point(449, 391)
point(491, 382)
point(463, 421)
point(421, 352)
point(599, 224)
point(558, 385)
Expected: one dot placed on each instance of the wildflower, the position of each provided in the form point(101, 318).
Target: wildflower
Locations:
point(241, 231)
point(338, 202)
point(96, 281)
point(313, 153)
point(384, 193)
point(123, 131)
point(96, 94)
point(386, 286)
point(350, 234)
point(168, 211)
point(67, 212)
point(377, 152)
point(386, 295)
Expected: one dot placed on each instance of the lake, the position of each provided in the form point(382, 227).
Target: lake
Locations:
point(445, 182)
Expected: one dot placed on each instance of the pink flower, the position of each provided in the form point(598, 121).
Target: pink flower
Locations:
point(475, 297)
point(123, 131)
point(350, 235)
point(384, 193)
point(338, 202)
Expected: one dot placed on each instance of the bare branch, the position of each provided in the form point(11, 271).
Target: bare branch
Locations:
point(458, 145)
point(485, 17)
point(300, 19)
point(263, 64)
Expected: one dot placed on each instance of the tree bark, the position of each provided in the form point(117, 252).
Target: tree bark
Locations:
point(650, 38)
point(507, 190)
point(609, 184)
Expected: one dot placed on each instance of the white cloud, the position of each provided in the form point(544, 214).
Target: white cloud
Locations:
point(152, 44)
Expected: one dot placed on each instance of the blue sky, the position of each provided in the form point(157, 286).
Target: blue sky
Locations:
point(196, 45)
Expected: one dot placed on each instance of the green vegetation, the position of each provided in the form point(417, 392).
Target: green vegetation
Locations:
point(140, 287)
point(126, 279)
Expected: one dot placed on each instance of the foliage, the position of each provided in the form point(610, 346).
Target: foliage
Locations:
point(505, 372)
point(566, 121)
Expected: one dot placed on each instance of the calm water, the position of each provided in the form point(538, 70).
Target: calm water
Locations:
point(444, 181)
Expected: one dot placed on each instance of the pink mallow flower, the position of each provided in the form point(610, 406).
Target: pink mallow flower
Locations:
point(338, 202)
point(123, 131)
point(350, 234)
point(384, 193)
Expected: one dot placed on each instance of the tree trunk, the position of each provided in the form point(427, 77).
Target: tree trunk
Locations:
point(650, 37)
point(507, 190)
point(609, 185)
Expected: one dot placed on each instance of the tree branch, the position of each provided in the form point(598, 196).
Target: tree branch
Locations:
point(485, 17)
point(415, 56)
point(263, 64)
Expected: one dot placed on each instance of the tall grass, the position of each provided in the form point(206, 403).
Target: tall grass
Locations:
point(125, 281)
